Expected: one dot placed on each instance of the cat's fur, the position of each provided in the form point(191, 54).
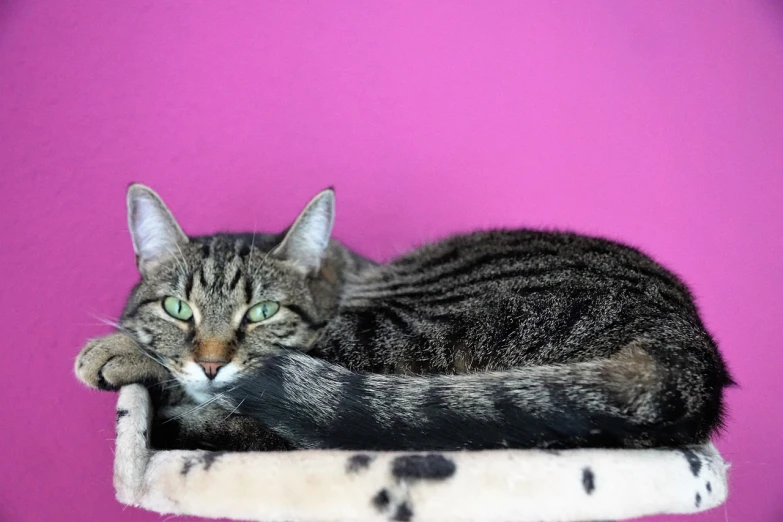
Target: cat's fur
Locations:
point(493, 339)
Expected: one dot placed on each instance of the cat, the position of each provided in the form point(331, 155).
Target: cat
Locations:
point(493, 339)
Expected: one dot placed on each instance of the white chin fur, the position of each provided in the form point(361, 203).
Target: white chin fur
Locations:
point(199, 387)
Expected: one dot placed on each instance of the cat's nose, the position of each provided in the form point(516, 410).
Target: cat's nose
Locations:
point(211, 368)
point(212, 354)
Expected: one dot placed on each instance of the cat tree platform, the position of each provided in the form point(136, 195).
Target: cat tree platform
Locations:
point(351, 486)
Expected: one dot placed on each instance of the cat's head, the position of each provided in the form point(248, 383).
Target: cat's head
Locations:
point(208, 307)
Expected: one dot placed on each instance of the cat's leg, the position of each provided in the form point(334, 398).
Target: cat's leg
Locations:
point(106, 363)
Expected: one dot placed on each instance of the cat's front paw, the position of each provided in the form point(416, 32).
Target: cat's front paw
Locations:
point(106, 363)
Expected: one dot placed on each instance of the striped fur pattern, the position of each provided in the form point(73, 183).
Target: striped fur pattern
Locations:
point(487, 340)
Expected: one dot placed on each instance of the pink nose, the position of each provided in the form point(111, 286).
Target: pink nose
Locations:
point(211, 368)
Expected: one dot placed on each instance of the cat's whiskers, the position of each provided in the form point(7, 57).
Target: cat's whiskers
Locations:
point(236, 408)
point(107, 321)
point(167, 384)
point(252, 244)
point(261, 264)
point(154, 356)
point(166, 381)
point(180, 267)
point(200, 406)
point(158, 359)
point(184, 259)
point(253, 239)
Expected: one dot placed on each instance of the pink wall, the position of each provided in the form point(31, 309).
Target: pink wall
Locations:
point(658, 123)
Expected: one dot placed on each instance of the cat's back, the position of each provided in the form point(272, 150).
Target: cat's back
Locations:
point(501, 298)
point(521, 244)
point(526, 260)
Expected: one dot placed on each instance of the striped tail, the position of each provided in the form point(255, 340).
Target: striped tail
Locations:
point(626, 401)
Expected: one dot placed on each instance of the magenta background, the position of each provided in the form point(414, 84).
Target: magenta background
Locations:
point(658, 123)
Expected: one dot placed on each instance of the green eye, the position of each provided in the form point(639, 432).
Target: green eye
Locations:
point(177, 308)
point(262, 311)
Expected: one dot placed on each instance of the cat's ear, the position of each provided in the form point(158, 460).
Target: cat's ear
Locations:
point(155, 233)
point(306, 241)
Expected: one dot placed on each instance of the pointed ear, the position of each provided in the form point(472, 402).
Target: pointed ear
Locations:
point(306, 241)
point(156, 235)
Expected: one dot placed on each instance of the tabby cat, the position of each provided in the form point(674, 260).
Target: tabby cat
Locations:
point(499, 339)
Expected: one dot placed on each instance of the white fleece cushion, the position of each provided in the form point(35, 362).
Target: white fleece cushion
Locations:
point(350, 486)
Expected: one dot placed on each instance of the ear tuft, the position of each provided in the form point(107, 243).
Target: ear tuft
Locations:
point(155, 233)
point(306, 241)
